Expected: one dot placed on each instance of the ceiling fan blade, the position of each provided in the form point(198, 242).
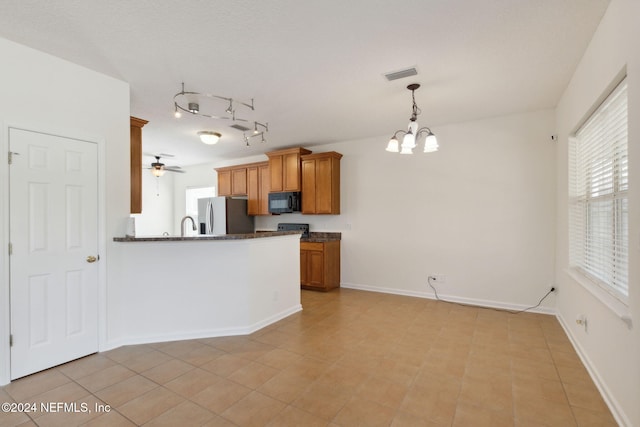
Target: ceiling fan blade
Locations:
point(173, 169)
point(158, 155)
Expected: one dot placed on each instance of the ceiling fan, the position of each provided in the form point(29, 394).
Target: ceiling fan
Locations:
point(158, 168)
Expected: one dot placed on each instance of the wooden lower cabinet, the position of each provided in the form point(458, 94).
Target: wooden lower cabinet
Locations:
point(320, 265)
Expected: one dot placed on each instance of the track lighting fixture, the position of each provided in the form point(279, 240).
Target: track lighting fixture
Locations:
point(257, 132)
point(205, 104)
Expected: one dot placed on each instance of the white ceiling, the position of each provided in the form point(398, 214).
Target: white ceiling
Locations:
point(314, 68)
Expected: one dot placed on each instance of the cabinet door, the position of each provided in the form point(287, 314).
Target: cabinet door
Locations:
point(275, 166)
point(304, 262)
point(324, 186)
point(239, 182)
point(321, 183)
point(224, 183)
point(253, 191)
point(264, 186)
point(308, 186)
point(136, 125)
point(315, 268)
point(291, 172)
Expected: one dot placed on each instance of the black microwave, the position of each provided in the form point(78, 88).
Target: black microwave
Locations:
point(287, 202)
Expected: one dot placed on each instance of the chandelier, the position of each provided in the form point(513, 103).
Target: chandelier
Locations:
point(412, 134)
point(207, 105)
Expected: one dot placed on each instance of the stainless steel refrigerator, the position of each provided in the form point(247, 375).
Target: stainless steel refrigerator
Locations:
point(224, 215)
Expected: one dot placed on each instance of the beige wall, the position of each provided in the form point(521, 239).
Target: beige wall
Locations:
point(44, 93)
point(480, 211)
point(609, 347)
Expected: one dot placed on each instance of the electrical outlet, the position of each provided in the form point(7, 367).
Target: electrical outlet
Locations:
point(438, 278)
point(581, 320)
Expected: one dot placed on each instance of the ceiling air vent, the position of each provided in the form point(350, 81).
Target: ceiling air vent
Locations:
point(239, 127)
point(401, 74)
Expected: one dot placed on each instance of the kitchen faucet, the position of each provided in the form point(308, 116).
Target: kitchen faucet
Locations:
point(193, 223)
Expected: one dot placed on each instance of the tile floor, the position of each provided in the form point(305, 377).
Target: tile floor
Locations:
point(351, 358)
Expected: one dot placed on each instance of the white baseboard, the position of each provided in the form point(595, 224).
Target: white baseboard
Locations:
point(617, 412)
point(209, 333)
point(451, 298)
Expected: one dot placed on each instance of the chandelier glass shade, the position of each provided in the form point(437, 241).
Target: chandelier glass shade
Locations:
point(413, 132)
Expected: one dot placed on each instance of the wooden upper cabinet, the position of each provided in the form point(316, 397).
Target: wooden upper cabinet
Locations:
point(253, 189)
point(284, 166)
point(264, 183)
point(258, 178)
point(291, 172)
point(232, 181)
point(224, 182)
point(239, 182)
point(275, 172)
point(321, 183)
point(136, 125)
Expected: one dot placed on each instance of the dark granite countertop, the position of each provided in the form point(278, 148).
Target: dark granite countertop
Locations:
point(258, 235)
point(319, 237)
point(314, 236)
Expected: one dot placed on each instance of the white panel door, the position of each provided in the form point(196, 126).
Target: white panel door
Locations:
point(54, 238)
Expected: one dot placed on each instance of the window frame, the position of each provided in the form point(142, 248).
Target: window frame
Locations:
point(599, 177)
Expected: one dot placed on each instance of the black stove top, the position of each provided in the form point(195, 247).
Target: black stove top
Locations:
point(284, 226)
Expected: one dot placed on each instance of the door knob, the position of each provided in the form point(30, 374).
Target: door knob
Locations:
point(91, 258)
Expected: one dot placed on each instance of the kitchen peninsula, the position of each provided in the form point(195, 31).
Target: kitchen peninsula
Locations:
point(195, 287)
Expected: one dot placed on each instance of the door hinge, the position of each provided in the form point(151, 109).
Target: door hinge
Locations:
point(10, 249)
point(10, 340)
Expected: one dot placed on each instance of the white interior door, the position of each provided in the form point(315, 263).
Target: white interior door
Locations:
point(54, 235)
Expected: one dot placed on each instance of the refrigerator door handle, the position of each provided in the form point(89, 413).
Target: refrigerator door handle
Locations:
point(209, 217)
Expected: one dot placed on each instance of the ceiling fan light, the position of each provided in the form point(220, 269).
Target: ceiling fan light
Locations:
point(393, 146)
point(209, 137)
point(157, 172)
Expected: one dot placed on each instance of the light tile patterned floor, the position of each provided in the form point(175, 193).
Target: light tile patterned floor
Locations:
point(351, 358)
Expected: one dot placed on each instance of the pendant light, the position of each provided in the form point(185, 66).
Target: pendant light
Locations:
point(413, 132)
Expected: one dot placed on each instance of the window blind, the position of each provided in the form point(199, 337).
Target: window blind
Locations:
point(598, 187)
